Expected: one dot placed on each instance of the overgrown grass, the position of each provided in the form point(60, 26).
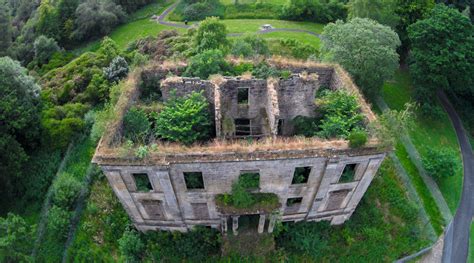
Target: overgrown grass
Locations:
point(384, 227)
point(435, 133)
point(100, 228)
point(52, 245)
point(429, 203)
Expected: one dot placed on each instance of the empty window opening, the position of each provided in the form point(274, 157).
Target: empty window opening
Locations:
point(348, 174)
point(243, 96)
point(193, 180)
point(280, 127)
point(242, 127)
point(250, 179)
point(153, 208)
point(294, 201)
point(142, 182)
point(301, 175)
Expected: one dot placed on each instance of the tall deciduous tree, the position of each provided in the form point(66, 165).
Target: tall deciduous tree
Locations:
point(5, 28)
point(97, 18)
point(18, 120)
point(443, 54)
point(409, 12)
point(382, 11)
point(211, 34)
point(363, 47)
point(45, 47)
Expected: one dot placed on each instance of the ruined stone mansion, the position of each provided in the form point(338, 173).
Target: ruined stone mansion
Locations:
point(332, 177)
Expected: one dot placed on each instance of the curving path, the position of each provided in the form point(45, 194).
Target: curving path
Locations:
point(456, 242)
point(161, 20)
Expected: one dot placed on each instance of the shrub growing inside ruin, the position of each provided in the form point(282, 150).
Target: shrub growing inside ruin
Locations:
point(184, 119)
point(340, 114)
point(207, 63)
point(440, 163)
point(357, 138)
point(305, 126)
point(136, 126)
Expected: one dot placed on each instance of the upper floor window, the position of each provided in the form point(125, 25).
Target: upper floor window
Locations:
point(250, 179)
point(193, 180)
point(142, 182)
point(243, 96)
point(301, 175)
point(348, 174)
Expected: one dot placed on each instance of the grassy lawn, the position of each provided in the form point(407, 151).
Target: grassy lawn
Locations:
point(253, 25)
point(427, 133)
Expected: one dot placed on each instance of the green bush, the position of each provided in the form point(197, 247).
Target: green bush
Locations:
point(264, 71)
point(440, 163)
point(184, 119)
point(314, 11)
point(198, 245)
point(211, 34)
point(306, 126)
point(241, 197)
point(201, 10)
point(299, 50)
point(340, 114)
point(59, 221)
point(207, 63)
point(252, 11)
point(63, 122)
point(241, 68)
point(131, 246)
point(16, 238)
point(136, 125)
point(240, 48)
point(66, 190)
point(357, 138)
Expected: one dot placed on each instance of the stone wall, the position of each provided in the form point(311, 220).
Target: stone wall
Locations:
point(323, 197)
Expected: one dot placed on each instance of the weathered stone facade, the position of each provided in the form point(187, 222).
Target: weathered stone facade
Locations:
point(156, 194)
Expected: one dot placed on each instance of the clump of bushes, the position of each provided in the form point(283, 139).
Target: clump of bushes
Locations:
point(117, 69)
point(65, 191)
point(184, 119)
point(298, 49)
point(136, 125)
point(316, 11)
point(241, 199)
point(440, 163)
point(194, 10)
point(357, 138)
point(340, 113)
point(338, 116)
point(250, 45)
point(207, 63)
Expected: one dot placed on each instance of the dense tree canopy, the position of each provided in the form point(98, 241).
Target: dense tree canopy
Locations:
point(443, 54)
point(5, 28)
point(382, 11)
point(314, 10)
point(45, 48)
point(211, 34)
point(18, 119)
point(410, 11)
point(97, 18)
point(364, 48)
point(16, 236)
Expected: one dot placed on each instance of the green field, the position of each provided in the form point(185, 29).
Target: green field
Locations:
point(427, 133)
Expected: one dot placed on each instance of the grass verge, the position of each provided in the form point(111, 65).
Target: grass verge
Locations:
point(429, 203)
point(427, 133)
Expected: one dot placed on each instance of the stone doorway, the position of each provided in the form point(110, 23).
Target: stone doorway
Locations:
point(249, 222)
